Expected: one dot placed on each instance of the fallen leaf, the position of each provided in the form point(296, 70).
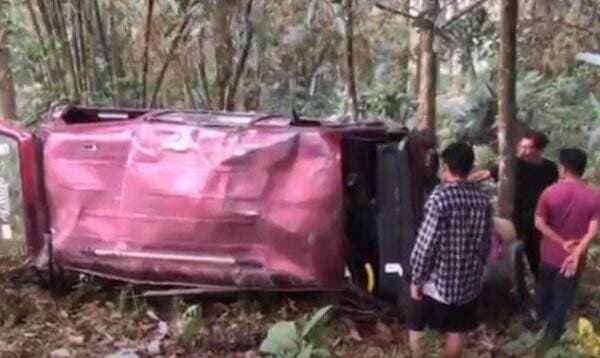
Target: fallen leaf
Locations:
point(292, 304)
point(355, 335)
point(76, 339)
point(353, 331)
point(152, 315)
point(373, 352)
point(153, 347)
point(60, 353)
point(163, 328)
point(124, 353)
point(383, 328)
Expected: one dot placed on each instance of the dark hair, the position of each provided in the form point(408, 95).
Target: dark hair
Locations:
point(573, 159)
point(459, 157)
point(539, 139)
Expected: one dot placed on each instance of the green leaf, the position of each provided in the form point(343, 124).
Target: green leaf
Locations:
point(306, 351)
point(591, 58)
point(315, 320)
point(321, 352)
point(524, 343)
point(560, 351)
point(282, 337)
point(189, 324)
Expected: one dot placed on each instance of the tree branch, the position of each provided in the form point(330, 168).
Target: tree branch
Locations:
point(349, 34)
point(58, 17)
point(146, 46)
point(576, 27)
point(51, 73)
point(531, 22)
point(462, 13)
point(170, 55)
point(448, 4)
point(102, 34)
point(241, 64)
point(202, 70)
point(395, 11)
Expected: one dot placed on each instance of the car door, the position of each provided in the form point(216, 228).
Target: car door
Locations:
point(21, 201)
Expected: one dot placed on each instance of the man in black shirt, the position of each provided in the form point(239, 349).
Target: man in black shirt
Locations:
point(534, 173)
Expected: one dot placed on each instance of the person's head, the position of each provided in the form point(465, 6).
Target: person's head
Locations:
point(532, 146)
point(457, 161)
point(572, 162)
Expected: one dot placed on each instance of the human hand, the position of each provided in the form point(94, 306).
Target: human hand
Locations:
point(570, 265)
point(570, 245)
point(416, 292)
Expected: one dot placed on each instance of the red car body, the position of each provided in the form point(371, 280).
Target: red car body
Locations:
point(217, 201)
point(188, 198)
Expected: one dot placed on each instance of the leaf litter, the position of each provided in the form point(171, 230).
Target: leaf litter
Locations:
point(100, 321)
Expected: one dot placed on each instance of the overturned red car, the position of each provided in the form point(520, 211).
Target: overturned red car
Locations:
point(215, 201)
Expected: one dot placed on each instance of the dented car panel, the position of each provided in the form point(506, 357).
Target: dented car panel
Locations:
point(197, 199)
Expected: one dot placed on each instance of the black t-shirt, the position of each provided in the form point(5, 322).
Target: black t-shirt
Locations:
point(531, 180)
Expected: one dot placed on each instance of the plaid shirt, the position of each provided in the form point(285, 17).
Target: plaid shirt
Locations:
point(454, 242)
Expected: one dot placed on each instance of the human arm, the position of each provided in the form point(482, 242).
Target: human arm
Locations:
point(585, 241)
point(484, 174)
point(546, 230)
point(579, 248)
point(486, 244)
point(541, 220)
point(479, 175)
point(426, 246)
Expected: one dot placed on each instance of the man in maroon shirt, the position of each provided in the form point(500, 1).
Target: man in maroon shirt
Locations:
point(567, 216)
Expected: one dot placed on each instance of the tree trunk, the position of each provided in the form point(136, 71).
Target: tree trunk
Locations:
point(428, 71)
point(102, 34)
point(223, 49)
point(314, 70)
point(243, 58)
point(54, 58)
point(456, 69)
point(414, 61)
point(48, 67)
point(404, 59)
point(575, 12)
point(170, 55)
point(416, 84)
point(186, 87)
point(350, 76)
point(507, 106)
point(147, 33)
point(202, 71)
point(528, 9)
point(58, 17)
point(79, 45)
point(114, 55)
point(252, 96)
point(8, 103)
point(90, 40)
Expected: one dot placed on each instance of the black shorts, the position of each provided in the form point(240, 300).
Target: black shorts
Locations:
point(429, 313)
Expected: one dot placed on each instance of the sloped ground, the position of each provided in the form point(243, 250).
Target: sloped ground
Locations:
point(95, 321)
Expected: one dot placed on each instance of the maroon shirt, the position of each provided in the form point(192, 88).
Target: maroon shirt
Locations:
point(568, 208)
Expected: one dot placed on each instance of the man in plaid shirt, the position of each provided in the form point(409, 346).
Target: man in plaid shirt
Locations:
point(450, 254)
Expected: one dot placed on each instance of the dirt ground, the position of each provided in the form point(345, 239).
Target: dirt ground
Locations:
point(92, 320)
